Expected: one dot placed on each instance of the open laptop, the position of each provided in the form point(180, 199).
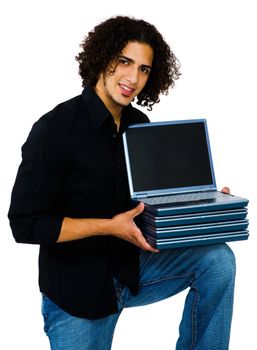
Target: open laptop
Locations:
point(170, 168)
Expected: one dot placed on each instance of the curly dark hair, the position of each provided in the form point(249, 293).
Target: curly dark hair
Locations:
point(106, 41)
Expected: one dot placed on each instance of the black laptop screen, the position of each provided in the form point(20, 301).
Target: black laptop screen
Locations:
point(168, 156)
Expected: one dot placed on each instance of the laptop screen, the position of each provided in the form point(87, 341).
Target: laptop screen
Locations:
point(168, 157)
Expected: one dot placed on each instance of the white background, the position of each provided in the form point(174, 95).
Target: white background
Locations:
point(216, 44)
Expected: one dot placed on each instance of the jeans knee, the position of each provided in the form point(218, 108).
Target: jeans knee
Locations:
point(224, 264)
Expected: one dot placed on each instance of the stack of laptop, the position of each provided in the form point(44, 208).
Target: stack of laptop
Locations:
point(170, 169)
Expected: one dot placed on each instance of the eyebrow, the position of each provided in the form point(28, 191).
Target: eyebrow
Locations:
point(132, 61)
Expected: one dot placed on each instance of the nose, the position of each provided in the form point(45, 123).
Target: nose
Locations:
point(132, 75)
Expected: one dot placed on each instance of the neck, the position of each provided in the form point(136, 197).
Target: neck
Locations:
point(116, 118)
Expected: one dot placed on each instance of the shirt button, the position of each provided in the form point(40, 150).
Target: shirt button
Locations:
point(114, 136)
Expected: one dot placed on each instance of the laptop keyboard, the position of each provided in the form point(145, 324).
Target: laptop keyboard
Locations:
point(185, 197)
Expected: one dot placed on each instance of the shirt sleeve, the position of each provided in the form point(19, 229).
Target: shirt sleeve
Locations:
point(32, 214)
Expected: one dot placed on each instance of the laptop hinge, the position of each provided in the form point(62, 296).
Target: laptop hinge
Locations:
point(142, 195)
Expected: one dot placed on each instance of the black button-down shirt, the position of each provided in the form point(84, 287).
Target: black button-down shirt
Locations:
point(73, 165)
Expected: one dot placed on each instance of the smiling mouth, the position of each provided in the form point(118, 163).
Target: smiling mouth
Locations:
point(126, 90)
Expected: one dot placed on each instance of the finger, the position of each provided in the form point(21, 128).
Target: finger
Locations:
point(143, 244)
point(146, 246)
point(149, 248)
point(137, 210)
point(226, 190)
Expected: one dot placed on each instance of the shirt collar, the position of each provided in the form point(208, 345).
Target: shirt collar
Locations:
point(97, 109)
point(95, 106)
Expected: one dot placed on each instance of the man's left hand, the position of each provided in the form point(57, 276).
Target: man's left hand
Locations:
point(226, 190)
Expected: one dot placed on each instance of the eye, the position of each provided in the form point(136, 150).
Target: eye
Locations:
point(122, 60)
point(145, 70)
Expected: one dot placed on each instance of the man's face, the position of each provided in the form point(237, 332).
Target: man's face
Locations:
point(126, 76)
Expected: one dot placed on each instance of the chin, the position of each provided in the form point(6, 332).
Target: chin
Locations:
point(122, 103)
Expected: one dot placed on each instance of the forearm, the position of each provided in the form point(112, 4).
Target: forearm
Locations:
point(74, 229)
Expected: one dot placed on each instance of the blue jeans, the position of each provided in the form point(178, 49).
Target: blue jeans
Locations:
point(209, 271)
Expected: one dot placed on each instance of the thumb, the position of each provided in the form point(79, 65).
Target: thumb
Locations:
point(137, 210)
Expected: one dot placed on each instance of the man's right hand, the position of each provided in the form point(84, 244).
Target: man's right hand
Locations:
point(123, 226)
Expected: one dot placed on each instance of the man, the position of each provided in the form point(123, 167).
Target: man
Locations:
point(71, 196)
